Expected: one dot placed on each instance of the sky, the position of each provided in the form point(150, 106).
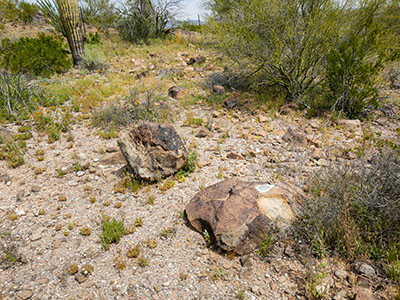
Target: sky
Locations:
point(192, 8)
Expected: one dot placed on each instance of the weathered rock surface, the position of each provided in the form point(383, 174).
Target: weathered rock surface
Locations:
point(238, 214)
point(176, 92)
point(153, 151)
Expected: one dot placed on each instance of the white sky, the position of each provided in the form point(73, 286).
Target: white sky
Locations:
point(192, 9)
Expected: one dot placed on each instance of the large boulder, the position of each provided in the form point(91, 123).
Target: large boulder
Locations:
point(153, 151)
point(238, 214)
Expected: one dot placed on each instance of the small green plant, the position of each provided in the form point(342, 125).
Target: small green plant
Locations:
point(266, 245)
point(139, 222)
point(143, 262)
point(60, 173)
point(150, 200)
point(112, 232)
point(169, 184)
point(190, 165)
point(73, 269)
point(120, 263)
point(151, 243)
point(86, 231)
point(207, 237)
point(133, 252)
point(313, 281)
point(218, 273)
point(240, 295)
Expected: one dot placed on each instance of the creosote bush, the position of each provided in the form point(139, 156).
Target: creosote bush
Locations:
point(40, 56)
point(321, 54)
point(355, 210)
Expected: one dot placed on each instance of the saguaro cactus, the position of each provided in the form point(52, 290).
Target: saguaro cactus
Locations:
point(71, 20)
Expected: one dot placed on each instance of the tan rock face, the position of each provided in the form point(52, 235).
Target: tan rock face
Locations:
point(153, 151)
point(238, 214)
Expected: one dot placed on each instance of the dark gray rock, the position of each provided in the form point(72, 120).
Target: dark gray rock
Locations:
point(153, 151)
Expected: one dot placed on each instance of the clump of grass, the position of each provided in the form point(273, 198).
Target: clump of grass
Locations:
point(355, 209)
point(86, 231)
point(139, 222)
point(112, 232)
point(133, 252)
point(143, 262)
point(151, 243)
point(120, 263)
point(13, 153)
point(73, 269)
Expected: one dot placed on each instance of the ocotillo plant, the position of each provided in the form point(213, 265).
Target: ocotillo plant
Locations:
point(71, 20)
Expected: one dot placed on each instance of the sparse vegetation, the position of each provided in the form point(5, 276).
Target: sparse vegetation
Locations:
point(112, 232)
point(354, 209)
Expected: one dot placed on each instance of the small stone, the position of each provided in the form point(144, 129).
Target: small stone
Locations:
point(232, 155)
point(36, 188)
point(218, 89)
point(341, 274)
point(262, 119)
point(80, 173)
point(62, 198)
point(350, 123)
point(255, 289)
point(80, 278)
point(20, 195)
point(36, 236)
point(96, 159)
point(72, 183)
point(176, 92)
point(21, 213)
point(25, 294)
point(157, 288)
point(112, 149)
point(231, 102)
point(364, 294)
point(367, 270)
point(204, 133)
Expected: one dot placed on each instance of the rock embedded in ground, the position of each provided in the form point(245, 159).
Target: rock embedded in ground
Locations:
point(238, 214)
point(196, 60)
point(231, 102)
point(218, 89)
point(25, 294)
point(176, 92)
point(153, 151)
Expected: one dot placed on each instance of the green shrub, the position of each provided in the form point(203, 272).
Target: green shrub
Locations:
point(353, 65)
point(99, 13)
point(93, 59)
point(189, 26)
point(354, 209)
point(93, 39)
point(14, 10)
point(41, 56)
point(112, 232)
point(281, 42)
point(27, 11)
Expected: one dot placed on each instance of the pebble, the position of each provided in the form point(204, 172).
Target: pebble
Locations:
point(80, 278)
point(36, 236)
point(80, 173)
point(25, 294)
point(72, 183)
point(21, 213)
